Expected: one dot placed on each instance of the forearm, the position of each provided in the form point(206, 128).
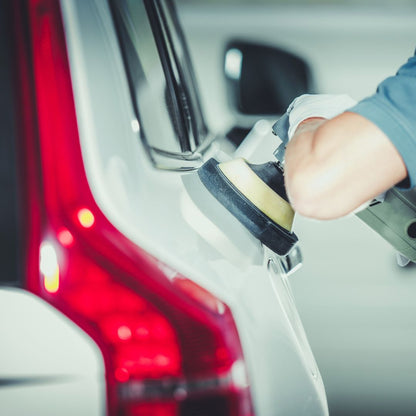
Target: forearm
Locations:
point(334, 166)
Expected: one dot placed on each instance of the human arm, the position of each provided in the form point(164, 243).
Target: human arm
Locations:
point(334, 166)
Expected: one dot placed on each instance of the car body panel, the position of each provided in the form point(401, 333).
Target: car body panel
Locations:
point(47, 363)
point(144, 203)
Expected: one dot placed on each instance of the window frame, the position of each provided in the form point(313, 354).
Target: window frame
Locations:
point(192, 133)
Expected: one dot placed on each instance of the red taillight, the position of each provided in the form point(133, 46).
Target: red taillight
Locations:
point(170, 347)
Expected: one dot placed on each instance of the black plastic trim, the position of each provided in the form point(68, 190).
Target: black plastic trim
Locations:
point(10, 254)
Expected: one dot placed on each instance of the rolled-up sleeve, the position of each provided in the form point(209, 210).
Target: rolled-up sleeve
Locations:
point(393, 109)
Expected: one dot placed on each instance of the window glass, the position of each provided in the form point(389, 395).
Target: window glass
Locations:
point(157, 111)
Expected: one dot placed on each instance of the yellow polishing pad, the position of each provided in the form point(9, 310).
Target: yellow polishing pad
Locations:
point(239, 173)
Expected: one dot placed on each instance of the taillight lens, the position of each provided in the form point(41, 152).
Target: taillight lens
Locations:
point(170, 347)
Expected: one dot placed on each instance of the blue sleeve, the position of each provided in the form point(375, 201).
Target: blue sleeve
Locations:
point(393, 109)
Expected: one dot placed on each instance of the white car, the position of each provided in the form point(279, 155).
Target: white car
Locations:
point(126, 289)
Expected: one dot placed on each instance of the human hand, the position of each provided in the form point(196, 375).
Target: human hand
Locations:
point(309, 111)
point(306, 113)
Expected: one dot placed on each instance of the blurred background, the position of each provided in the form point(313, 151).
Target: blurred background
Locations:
point(357, 305)
point(312, 2)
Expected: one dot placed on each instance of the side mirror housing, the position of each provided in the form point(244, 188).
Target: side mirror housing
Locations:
point(263, 80)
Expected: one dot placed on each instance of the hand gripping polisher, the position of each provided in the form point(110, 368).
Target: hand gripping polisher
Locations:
point(256, 196)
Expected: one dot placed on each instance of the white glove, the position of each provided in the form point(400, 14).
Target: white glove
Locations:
point(307, 106)
point(316, 105)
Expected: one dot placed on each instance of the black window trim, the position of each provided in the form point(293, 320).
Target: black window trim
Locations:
point(189, 101)
point(11, 248)
point(172, 83)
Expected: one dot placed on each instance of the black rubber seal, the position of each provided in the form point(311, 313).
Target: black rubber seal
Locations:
point(260, 225)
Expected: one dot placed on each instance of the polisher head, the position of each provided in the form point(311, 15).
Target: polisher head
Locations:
point(256, 196)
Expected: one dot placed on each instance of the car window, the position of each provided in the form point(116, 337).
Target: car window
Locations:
point(187, 81)
point(162, 89)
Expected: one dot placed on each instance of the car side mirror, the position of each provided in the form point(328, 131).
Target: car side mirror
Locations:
point(263, 80)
